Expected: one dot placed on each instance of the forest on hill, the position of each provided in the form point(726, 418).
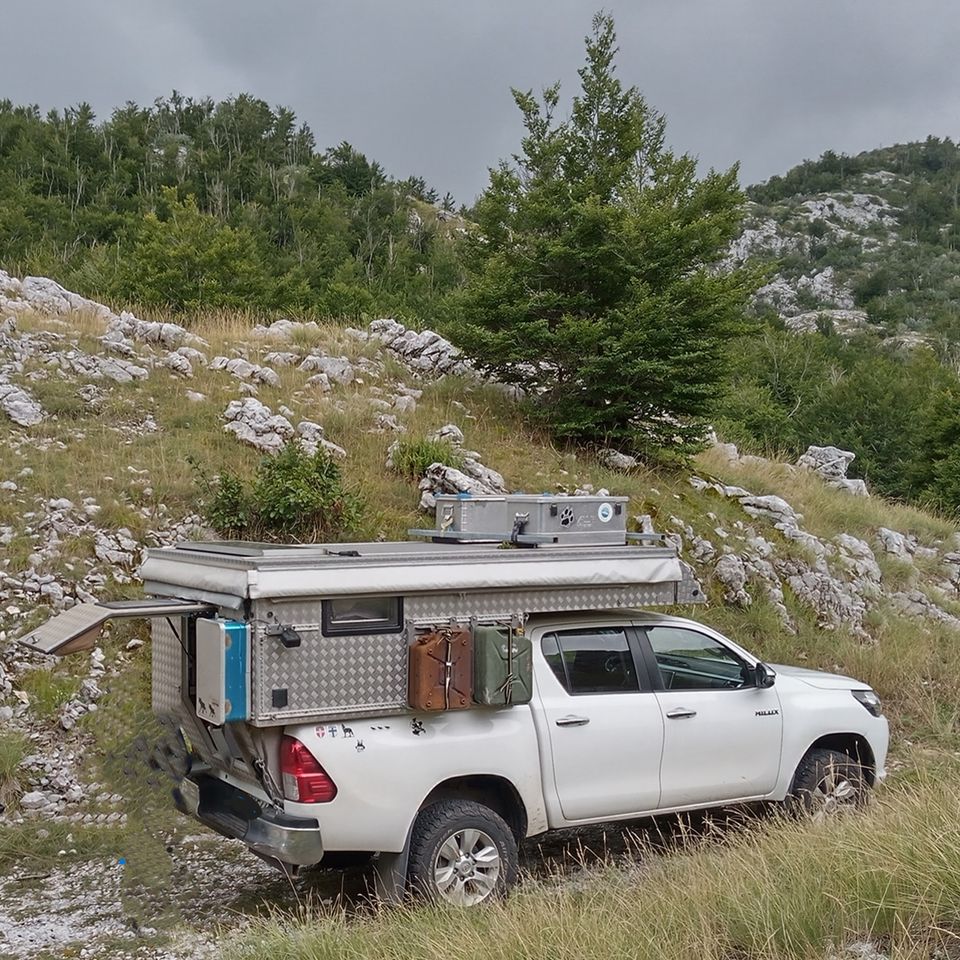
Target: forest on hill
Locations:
point(190, 205)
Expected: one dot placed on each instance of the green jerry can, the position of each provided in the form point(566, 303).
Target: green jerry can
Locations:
point(502, 666)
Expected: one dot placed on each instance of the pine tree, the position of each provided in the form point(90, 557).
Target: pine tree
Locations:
point(594, 281)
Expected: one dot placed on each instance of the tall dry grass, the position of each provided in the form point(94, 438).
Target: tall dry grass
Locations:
point(783, 891)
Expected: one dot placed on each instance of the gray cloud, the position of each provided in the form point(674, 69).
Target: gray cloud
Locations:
point(423, 85)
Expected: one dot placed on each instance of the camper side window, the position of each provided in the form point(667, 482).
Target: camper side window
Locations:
point(347, 616)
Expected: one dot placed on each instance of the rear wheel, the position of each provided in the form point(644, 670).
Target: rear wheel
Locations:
point(826, 782)
point(461, 853)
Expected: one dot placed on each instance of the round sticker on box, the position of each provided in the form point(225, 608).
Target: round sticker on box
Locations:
point(605, 512)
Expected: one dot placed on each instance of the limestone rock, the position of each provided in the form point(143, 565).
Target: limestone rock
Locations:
point(336, 369)
point(615, 460)
point(282, 358)
point(168, 335)
point(771, 507)
point(915, 603)
point(19, 405)
point(246, 371)
point(449, 433)
point(424, 351)
point(283, 330)
point(831, 463)
point(177, 363)
point(835, 604)
point(311, 437)
point(897, 544)
point(254, 423)
point(730, 572)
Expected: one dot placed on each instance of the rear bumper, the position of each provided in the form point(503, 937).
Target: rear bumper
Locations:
point(237, 815)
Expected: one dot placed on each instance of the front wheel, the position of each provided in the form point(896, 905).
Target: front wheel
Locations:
point(461, 853)
point(826, 782)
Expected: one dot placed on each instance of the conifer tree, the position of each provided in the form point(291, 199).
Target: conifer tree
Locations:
point(594, 273)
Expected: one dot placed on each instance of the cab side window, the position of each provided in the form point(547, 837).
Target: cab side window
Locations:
point(689, 660)
point(595, 660)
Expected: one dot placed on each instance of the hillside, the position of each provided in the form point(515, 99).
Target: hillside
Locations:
point(864, 244)
point(857, 318)
point(100, 416)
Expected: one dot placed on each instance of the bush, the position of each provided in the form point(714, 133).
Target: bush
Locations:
point(410, 458)
point(295, 496)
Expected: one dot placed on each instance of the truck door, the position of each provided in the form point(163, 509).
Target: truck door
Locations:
point(604, 722)
point(722, 734)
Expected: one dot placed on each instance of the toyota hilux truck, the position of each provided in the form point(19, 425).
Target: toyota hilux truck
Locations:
point(431, 705)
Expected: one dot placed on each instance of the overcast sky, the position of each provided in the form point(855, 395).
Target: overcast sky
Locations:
point(423, 86)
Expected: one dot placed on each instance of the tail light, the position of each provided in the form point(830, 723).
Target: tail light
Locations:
point(304, 780)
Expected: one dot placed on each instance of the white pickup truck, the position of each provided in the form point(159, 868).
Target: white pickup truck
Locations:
point(432, 704)
point(633, 714)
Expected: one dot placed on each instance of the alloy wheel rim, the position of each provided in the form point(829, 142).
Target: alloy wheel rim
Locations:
point(467, 867)
point(832, 793)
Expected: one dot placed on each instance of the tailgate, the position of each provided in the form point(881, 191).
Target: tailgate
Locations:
point(80, 627)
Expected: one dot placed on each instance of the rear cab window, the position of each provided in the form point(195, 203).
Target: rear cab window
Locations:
point(591, 660)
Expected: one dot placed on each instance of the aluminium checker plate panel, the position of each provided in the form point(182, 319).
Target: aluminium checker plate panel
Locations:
point(356, 676)
point(166, 668)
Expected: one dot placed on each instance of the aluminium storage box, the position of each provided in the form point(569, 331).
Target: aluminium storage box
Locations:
point(570, 520)
point(472, 515)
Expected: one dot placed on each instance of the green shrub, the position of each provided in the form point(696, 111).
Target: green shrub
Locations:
point(410, 458)
point(295, 496)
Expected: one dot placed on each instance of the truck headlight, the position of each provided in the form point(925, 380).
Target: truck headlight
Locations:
point(870, 701)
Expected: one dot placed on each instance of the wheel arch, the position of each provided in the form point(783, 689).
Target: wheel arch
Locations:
point(854, 745)
point(493, 791)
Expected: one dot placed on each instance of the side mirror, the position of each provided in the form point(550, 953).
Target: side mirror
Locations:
point(764, 677)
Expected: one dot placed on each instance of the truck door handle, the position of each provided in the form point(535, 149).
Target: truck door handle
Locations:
point(678, 713)
point(573, 721)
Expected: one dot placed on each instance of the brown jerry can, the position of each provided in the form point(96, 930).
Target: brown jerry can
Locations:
point(441, 669)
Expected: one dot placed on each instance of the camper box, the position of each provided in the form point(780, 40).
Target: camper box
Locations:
point(272, 634)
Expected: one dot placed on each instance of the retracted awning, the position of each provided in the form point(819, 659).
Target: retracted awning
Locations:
point(79, 627)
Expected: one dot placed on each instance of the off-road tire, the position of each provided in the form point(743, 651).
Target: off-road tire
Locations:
point(826, 782)
point(439, 825)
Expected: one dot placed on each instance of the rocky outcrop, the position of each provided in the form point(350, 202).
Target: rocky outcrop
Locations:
point(335, 369)
point(615, 460)
point(43, 296)
point(839, 579)
point(245, 370)
point(425, 352)
point(831, 463)
point(254, 423)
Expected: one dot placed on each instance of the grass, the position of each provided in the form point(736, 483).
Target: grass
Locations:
point(825, 510)
point(39, 844)
point(13, 748)
point(785, 891)
point(413, 456)
point(49, 690)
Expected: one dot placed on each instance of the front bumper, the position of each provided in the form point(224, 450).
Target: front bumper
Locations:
point(237, 815)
